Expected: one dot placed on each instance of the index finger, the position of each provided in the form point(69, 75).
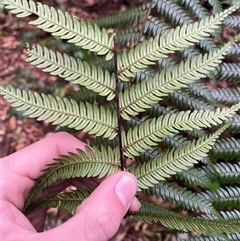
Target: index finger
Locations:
point(21, 169)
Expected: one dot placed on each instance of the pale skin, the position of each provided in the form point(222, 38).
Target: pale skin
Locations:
point(96, 219)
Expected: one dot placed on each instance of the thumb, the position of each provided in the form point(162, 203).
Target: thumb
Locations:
point(99, 216)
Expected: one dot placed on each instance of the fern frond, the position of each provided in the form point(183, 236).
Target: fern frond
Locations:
point(149, 51)
point(228, 71)
point(224, 173)
point(174, 161)
point(200, 89)
point(233, 21)
point(154, 26)
point(145, 93)
point(234, 50)
point(74, 70)
point(181, 98)
point(94, 162)
point(217, 6)
point(226, 149)
point(64, 112)
point(153, 213)
point(228, 172)
point(67, 201)
point(194, 177)
point(181, 197)
point(230, 237)
point(225, 197)
point(150, 133)
point(231, 215)
point(235, 126)
point(128, 17)
point(128, 36)
point(173, 12)
point(227, 95)
point(63, 25)
point(195, 7)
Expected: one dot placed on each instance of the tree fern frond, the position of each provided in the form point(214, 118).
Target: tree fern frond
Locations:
point(233, 21)
point(63, 25)
point(227, 148)
point(128, 17)
point(149, 133)
point(174, 161)
point(228, 71)
point(64, 112)
point(234, 50)
point(225, 197)
point(149, 51)
point(231, 215)
point(128, 36)
point(194, 177)
point(97, 162)
point(227, 173)
point(74, 70)
point(181, 197)
point(195, 8)
point(230, 237)
point(154, 26)
point(173, 12)
point(181, 98)
point(235, 126)
point(153, 213)
point(200, 89)
point(67, 201)
point(217, 6)
point(145, 93)
point(227, 95)
point(85, 95)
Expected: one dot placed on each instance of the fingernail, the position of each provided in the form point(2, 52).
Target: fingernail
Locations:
point(126, 188)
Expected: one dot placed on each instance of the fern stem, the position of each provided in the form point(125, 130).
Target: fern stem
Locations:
point(119, 117)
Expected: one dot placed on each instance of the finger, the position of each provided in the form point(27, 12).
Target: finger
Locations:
point(26, 165)
point(100, 215)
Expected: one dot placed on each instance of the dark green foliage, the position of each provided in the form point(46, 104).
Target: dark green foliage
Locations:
point(143, 95)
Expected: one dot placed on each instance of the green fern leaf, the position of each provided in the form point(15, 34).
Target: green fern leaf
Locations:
point(194, 177)
point(181, 197)
point(63, 25)
point(217, 5)
point(225, 197)
point(67, 201)
point(142, 95)
point(97, 162)
point(228, 71)
point(149, 51)
point(128, 17)
point(227, 149)
point(174, 161)
point(74, 70)
point(183, 99)
point(151, 132)
point(227, 95)
point(64, 112)
point(152, 212)
point(233, 21)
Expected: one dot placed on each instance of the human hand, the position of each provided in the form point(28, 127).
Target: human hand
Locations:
point(96, 219)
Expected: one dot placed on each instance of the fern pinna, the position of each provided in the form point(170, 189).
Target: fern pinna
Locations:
point(143, 97)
